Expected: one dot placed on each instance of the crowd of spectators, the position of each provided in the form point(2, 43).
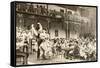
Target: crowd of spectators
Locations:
point(38, 9)
point(83, 48)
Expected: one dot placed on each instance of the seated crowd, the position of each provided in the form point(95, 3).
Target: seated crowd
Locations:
point(83, 48)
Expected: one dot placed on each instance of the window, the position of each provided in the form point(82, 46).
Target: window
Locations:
point(56, 33)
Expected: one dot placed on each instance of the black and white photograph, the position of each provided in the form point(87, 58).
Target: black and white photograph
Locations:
point(55, 33)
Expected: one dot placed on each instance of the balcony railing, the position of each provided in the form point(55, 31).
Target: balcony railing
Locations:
point(77, 18)
point(41, 10)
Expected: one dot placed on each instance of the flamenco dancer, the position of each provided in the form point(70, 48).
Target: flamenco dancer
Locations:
point(39, 36)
